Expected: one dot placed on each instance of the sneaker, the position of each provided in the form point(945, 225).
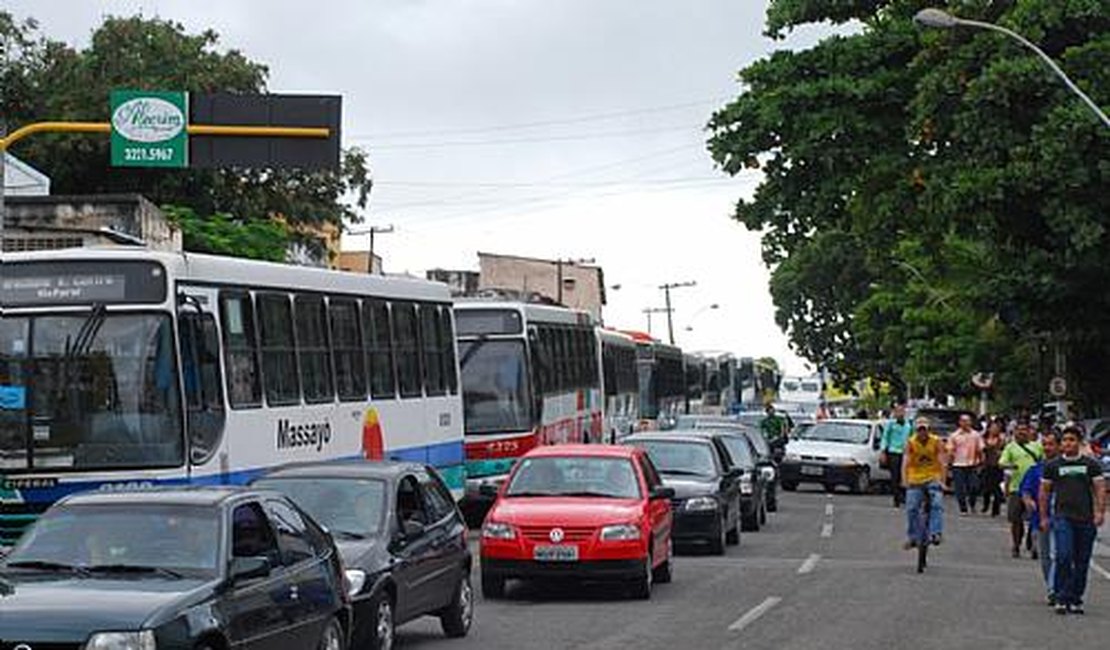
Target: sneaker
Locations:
point(1061, 609)
point(1051, 600)
point(1076, 609)
point(935, 540)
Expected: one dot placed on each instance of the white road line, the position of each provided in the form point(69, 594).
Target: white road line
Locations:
point(1101, 571)
point(810, 564)
point(826, 530)
point(828, 509)
point(754, 613)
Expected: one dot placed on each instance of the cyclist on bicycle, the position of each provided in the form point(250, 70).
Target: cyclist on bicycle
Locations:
point(923, 467)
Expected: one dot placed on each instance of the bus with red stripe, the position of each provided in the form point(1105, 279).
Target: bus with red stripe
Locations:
point(530, 376)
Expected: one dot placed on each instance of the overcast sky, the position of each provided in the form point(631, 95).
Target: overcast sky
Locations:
point(546, 128)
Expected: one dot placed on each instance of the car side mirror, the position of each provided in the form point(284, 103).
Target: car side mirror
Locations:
point(411, 529)
point(662, 493)
point(487, 490)
point(248, 568)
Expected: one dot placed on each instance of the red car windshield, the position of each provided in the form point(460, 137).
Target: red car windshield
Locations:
point(575, 476)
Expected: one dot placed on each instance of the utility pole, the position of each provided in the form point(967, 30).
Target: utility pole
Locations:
point(666, 288)
point(3, 180)
point(652, 310)
point(374, 230)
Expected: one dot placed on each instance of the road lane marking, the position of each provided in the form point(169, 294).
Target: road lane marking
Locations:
point(826, 530)
point(828, 509)
point(1101, 571)
point(810, 564)
point(753, 614)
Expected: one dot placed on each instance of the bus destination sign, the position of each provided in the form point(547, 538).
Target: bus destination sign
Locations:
point(81, 283)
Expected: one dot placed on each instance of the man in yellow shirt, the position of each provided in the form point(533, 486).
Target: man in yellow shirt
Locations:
point(923, 464)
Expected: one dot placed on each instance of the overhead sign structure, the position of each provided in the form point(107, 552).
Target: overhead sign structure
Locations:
point(150, 128)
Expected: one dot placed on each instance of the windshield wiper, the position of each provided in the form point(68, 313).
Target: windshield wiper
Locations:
point(134, 568)
point(348, 534)
point(533, 494)
point(681, 472)
point(589, 493)
point(45, 565)
point(475, 345)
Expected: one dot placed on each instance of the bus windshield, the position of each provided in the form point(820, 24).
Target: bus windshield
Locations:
point(496, 389)
point(88, 390)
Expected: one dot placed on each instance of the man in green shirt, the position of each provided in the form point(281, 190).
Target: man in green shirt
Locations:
point(1017, 457)
point(773, 425)
point(892, 444)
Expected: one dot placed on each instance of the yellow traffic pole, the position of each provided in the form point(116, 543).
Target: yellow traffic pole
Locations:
point(192, 129)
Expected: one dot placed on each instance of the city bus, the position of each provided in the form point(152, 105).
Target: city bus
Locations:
point(620, 384)
point(530, 376)
point(695, 367)
point(662, 374)
point(722, 390)
point(127, 369)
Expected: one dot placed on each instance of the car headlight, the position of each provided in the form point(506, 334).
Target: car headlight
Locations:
point(791, 456)
point(356, 580)
point(495, 530)
point(620, 533)
point(701, 504)
point(141, 640)
point(768, 473)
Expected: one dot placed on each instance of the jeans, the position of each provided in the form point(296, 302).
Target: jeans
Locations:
point(964, 479)
point(1047, 546)
point(894, 463)
point(1074, 542)
point(990, 483)
point(915, 496)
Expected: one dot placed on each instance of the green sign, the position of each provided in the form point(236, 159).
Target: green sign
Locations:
point(149, 129)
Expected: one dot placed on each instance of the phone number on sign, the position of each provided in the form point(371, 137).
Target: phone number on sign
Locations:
point(139, 154)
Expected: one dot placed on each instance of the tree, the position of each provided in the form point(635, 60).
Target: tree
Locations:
point(52, 81)
point(932, 201)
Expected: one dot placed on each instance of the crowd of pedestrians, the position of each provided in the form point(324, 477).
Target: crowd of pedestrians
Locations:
point(1048, 478)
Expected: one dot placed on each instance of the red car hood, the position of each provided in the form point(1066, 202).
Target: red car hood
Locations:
point(565, 511)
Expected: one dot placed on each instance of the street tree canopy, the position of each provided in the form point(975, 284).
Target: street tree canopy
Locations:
point(934, 202)
point(47, 80)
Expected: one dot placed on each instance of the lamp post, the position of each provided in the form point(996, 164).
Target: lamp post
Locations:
point(666, 289)
point(690, 324)
point(939, 19)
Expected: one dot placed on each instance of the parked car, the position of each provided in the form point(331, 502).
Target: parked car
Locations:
point(591, 512)
point(835, 452)
point(401, 537)
point(187, 568)
point(753, 482)
point(707, 486)
point(766, 458)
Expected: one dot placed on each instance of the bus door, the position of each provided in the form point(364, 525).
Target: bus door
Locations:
point(202, 384)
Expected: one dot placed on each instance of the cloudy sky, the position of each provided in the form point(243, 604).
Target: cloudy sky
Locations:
point(546, 128)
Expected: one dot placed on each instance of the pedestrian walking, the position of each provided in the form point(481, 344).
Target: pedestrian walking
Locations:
point(1031, 495)
point(990, 477)
point(1017, 457)
point(892, 445)
point(966, 451)
point(1080, 500)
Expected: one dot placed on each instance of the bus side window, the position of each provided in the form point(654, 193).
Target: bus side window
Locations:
point(447, 344)
point(244, 389)
point(312, 349)
point(204, 398)
point(406, 333)
point(279, 352)
point(377, 331)
point(429, 338)
point(347, 347)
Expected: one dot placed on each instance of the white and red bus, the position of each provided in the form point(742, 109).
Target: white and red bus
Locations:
point(530, 376)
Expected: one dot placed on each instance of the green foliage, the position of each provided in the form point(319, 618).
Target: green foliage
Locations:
point(49, 80)
point(222, 234)
point(934, 201)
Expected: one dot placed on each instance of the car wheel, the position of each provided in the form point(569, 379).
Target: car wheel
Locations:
point(718, 541)
point(493, 586)
point(332, 638)
point(863, 482)
point(664, 572)
point(763, 514)
point(751, 522)
point(830, 487)
point(641, 587)
point(384, 623)
point(789, 487)
point(457, 617)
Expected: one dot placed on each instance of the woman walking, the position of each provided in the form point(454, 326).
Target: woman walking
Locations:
point(991, 476)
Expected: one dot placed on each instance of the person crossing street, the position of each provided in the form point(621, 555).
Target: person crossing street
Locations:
point(966, 449)
point(1031, 494)
point(895, 434)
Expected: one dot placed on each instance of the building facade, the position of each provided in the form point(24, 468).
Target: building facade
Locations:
point(579, 286)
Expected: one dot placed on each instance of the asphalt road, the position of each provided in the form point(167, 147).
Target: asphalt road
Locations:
point(828, 572)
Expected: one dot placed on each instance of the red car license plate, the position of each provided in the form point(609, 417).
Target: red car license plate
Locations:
point(561, 553)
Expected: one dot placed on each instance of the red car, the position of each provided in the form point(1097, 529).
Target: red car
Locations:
point(594, 512)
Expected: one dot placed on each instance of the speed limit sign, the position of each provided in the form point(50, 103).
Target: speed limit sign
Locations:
point(1058, 387)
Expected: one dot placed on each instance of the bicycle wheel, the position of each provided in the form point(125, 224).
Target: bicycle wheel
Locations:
point(922, 554)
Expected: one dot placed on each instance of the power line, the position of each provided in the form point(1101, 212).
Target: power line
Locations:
point(529, 140)
point(526, 184)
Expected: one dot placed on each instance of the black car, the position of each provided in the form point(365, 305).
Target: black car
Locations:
point(707, 486)
point(402, 539)
point(187, 568)
point(753, 482)
point(766, 458)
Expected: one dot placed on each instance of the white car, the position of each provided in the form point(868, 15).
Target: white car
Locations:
point(834, 452)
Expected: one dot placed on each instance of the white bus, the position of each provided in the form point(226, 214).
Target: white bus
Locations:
point(620, 384)
point(129, 368)
point(662, 373)
point(530, 377)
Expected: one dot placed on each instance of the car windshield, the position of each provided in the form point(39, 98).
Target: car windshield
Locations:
point(93, 390)
point(836, 432)
point(135, 536)
point(575, 475)
point(347, 507)
point(739, 450)
point(496, 389)
point(680, 457)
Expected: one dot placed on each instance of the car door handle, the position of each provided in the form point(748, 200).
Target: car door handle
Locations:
point(294, 593)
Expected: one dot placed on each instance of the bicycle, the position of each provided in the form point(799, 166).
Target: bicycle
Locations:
point(923, 538)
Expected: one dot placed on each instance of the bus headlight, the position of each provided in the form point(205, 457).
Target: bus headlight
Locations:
point(141, 640)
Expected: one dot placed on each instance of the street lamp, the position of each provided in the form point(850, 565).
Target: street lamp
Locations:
point(690, 324)
point(939, 19)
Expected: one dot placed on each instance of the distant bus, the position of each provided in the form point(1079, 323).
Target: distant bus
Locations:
point(722, 382)
point(662, 376)
point(757, 384)
point(530, 376)
point(620, 384)
point(126, 368)
point(695, 368)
